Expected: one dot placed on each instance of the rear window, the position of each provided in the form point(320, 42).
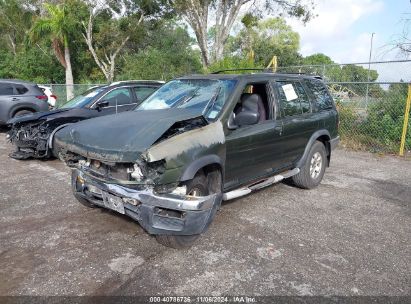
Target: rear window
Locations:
point(6, 89)
point(20, 89)
point(323, 99)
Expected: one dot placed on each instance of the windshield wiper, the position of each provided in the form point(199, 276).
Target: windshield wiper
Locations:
point(211, 102)
point(186, 99)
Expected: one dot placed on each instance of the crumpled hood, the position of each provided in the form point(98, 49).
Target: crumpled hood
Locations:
point(120, 137)
point(35, 116)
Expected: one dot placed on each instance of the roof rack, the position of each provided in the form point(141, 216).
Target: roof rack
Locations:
point(242, 69)
point(265, 70)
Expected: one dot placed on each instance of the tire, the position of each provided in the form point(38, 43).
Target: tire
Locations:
point(78, 197)
point(312, 172)
point(83, 201)
point(198, 186)
point(22, 112)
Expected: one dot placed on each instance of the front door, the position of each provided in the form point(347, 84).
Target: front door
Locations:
point(119, 100)
point(253, 151)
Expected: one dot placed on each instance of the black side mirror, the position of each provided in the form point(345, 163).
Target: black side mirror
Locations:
point(246, 117)
point(101, 104)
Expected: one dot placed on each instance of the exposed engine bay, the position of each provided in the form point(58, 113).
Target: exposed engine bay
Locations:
point(30, 140)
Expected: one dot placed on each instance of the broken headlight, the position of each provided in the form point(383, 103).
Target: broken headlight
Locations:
point(136, 172)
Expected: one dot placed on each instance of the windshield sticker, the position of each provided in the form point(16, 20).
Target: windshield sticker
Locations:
point(289, 92)
point(213, 114)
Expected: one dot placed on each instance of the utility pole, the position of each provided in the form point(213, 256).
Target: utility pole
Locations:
point(368, 74)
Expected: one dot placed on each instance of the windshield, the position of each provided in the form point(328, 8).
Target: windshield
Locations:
point(82, 100)
point(206, 95)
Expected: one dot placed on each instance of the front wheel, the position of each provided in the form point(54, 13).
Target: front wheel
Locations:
point(78, 197)
point(312, 171)
point(83, 201)
point(200, 185)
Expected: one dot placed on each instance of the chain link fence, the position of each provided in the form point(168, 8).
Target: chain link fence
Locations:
point(372, 122)
point(371, 99)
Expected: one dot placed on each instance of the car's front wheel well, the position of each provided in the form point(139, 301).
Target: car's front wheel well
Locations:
point(213, 172)
point(213, 176)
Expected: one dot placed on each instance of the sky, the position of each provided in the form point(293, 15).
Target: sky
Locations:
point(342, 30)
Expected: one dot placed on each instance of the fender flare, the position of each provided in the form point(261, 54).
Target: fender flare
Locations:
point(50, 140)
point(196, 165)
point(309, 144)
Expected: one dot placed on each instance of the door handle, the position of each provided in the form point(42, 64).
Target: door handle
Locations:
point(15, 99)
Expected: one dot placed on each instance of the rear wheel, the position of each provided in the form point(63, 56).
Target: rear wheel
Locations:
point(313, 170)
point(200, 185)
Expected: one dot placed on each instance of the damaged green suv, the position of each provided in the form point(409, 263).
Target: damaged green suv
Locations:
point(197, 141)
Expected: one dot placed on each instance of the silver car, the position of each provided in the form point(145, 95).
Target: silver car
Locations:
point(19, 98)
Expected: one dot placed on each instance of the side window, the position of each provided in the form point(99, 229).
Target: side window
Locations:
point(143, 92)
point(20, 89)
point(293, 98)
point(118, 97)
point(256, 93)
point(303, 97)
point(6, 89)
point(323, 99)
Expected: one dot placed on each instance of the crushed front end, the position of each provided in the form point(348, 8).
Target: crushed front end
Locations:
point(133, 190)
point(30, 140)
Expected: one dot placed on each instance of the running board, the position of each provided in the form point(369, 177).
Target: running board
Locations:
point(264, 183)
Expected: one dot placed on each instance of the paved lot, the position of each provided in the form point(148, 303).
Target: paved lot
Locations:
point(350, 236)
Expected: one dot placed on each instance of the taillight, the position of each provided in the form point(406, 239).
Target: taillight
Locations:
point(41, 97)
point(53, 96)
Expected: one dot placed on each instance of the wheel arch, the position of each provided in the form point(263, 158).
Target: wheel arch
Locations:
point(205, 162)
point(16, 109)
point(322, 136)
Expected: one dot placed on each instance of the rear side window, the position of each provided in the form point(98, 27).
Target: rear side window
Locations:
point(20, 89)
point(323, 99)
point(293, 98)
point(6, 89)
point(143, 92)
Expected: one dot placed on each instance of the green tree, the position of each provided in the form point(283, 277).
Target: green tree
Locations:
point(166, 52)
point(267, 38)
point(59, 25)
point(109, 29)
point(197, 13)
point(15, 20)
point(317, 59)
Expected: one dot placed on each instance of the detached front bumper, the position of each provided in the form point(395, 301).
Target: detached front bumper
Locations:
point(157, 214)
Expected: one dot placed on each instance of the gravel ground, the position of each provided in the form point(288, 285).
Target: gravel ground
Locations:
point(349, 236)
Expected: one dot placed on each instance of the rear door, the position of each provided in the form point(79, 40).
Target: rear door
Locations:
point(298, 120)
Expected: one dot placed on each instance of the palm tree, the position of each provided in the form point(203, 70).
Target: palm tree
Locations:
point(58, 26)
